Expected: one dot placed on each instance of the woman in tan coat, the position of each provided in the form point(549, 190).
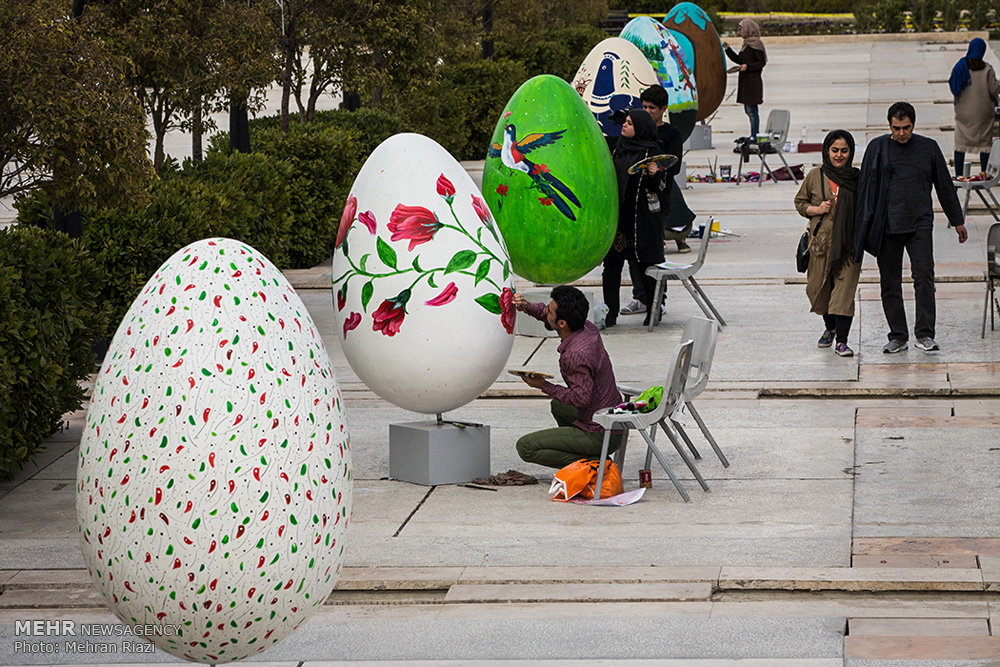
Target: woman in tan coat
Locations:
point(974, 85)
point(826, 198)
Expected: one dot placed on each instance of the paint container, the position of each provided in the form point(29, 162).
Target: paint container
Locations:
point(701, 231)
point(646, 479)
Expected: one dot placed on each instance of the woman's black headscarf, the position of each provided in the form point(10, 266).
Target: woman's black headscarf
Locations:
point(846, 178)
point(630, 150)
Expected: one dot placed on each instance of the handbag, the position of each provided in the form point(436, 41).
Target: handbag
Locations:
point(802, 251)
point(579, 480)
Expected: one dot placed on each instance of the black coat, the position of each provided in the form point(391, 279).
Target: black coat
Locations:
point(750, 85)
point(872, 200)
point(638, 223)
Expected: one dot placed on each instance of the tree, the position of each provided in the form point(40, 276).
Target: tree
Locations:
point(186, 53)
point(68, 121)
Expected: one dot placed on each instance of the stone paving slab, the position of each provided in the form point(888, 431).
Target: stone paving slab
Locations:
point(850, 579)
point(927, 545)
point(848, 606)
point(990, 565)
point(591, 592)
point(966, 561)
point(920, 627)
point(922, 648)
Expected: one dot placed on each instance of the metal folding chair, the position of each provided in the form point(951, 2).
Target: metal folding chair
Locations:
point(665, 271)
point(992, 273)
point(979, 187)
point(646, 423)
point(776, 133)
point(705, 334)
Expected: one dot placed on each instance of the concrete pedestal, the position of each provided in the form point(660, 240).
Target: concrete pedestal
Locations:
point(430, 453)
point(701, 137)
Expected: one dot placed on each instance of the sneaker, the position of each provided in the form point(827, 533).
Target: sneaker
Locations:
point(633, 307)
point(843, 351)
point(826, 340)
point(893, 346)
point(683, 247)
point(927, 344)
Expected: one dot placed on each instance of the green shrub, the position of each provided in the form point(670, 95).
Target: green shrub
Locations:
point(51, 316)
point(462, 106)
point(923, 15)
point(864, 18)
point(949, 15)
point(889, 15)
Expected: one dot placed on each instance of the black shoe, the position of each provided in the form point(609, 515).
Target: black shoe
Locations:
point(610, 321)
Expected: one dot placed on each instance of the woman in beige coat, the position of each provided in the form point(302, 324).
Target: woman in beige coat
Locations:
point(826, 198)
point(977, 93)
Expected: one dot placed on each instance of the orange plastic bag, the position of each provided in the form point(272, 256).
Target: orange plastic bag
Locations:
point(579, 480)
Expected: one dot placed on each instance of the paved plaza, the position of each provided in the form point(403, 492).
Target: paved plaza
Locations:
point(857, 525)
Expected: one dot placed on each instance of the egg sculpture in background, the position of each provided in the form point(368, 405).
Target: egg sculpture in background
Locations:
point(422, 282)
point(550, 180)
point(674, 68)
point(214, 484)
point(611, 78)
point(691, 21)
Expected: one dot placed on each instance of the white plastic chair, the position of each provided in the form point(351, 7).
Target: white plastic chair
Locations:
point(705, 334)
point(665, 271)
point(992, 167)
point(673, 398)
point(992, 272)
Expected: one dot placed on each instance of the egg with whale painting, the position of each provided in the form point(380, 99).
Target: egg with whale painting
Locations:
point(214, 483)
point(422, 283)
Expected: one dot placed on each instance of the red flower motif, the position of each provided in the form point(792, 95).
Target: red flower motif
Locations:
point(507, 309)
point(415, 223)
point(389, 316)
point(341, 299)
point(482, 210)
point(368, 219)
point(352, 322)
point(347, 219)
point(546, 201)
point(447, 295)
point(445, 188)
point(540, 169)
point(502, 190)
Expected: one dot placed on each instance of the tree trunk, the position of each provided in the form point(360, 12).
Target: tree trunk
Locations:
point(286, 84)
point(159, 131)
point(196, 134)
point(488, 29)
point(239, 125)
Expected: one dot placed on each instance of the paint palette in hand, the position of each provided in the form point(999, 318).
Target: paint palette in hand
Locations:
point(661, 162)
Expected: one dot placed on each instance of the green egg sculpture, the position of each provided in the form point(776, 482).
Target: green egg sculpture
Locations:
point(550, 183)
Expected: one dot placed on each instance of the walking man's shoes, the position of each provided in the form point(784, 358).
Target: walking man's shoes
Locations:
point(927, 344)
point(842, 350)
point(895, 345)
point(826, 340)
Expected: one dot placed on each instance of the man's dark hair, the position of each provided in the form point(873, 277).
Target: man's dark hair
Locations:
point(655, 94)
point(571, 306)
point(900, 111)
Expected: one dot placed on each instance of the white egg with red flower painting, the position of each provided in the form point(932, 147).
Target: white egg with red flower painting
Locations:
point(214, 485)
point(422, 286)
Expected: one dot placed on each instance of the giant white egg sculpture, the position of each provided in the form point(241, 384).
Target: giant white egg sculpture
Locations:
point(423, 290)
point(214, 485)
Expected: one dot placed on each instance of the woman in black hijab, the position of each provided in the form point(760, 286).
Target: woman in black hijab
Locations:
point(639, 240)
point(826, 198)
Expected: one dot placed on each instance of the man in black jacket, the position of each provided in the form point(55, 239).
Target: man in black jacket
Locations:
point(895, 212)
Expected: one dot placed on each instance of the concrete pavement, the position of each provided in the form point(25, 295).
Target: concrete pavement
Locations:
point(857, 523)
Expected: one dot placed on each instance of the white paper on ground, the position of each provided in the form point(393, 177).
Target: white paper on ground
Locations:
point(621, 500)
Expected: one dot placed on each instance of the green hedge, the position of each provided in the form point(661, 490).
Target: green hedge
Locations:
point(51, 316)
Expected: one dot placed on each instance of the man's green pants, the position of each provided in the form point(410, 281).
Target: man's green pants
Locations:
point(558, 447)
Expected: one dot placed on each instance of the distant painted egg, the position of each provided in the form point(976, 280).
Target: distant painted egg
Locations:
point(550, 180)
point(664, 51)
point(691, 21)
point(214, 485)
point(612, 77)
point(422, 283)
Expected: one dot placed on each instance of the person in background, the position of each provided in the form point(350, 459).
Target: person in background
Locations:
point(826, 198)
point(639, 240)
point(894, 213)
point(751, 60)
point(679, 217)
point(977, 93)
point(590, 383)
